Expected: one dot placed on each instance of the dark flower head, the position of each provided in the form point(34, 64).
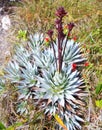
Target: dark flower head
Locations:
point(50, 33)
point(58, 21)
point(61, 12)
point(70, 26)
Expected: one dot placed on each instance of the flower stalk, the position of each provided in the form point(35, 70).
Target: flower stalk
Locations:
point(60, 13)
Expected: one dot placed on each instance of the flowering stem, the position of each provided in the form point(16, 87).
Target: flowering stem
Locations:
point(60, 13)
point(59, 54)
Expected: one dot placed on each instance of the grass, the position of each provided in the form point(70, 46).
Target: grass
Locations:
point(38, 15)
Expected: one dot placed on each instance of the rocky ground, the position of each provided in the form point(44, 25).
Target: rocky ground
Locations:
point(5, 45)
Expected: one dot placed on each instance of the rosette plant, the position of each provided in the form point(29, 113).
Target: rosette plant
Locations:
point(49, 75)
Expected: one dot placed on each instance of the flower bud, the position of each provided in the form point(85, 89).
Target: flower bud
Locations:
point(74, 66)
point(61, 12)
point(86, 64)
point(50, 33)
point(70, 26)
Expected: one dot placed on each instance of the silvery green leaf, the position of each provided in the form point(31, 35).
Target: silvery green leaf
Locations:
point(47, 96)
point(70, 97)
point(46, 111)
point(62, 101)
point(79, 60)
point(75, 90)
point(72, 82)
point(36, 40)
point(77, 124)
point(71, 87)
point(81, 94)
point(70, 126)
point(13, 72)
point(28, 95)
point(2, 85)
point(73, 53)
point(79, 118)
point(21, 108)
point(73, 74)
point(54, 99)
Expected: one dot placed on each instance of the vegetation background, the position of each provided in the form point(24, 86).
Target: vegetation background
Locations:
point(39, 15)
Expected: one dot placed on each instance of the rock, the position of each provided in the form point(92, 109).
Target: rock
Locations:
point(5, 45)
point(6, 22)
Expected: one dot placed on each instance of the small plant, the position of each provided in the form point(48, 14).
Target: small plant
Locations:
point(22, 35)
point(99, 88)
point(99, 103)
point(49, 75)
point(98, 91)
